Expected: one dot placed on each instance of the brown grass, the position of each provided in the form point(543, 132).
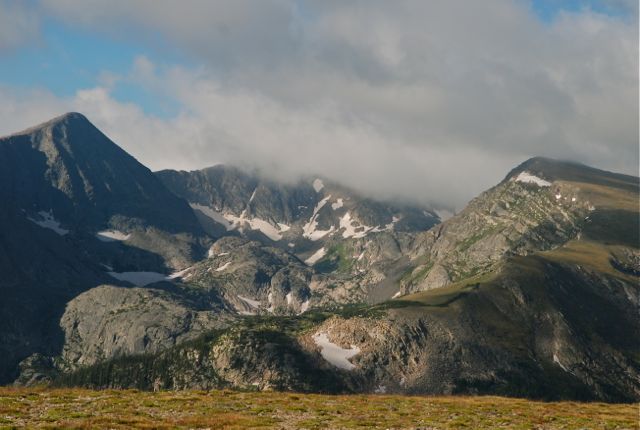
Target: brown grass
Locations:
point(605, 197)
point(588, 254)
point(85, 409)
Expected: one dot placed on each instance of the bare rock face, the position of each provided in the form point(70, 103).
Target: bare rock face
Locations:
point(107, 322)
point(252, 278)
point(436, 278)
point(533, 209)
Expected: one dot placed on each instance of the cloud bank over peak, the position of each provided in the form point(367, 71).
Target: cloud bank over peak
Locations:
point(425, 101)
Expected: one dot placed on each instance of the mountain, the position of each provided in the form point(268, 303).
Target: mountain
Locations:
point(96, 220)
point(67, 173)
point(540, 205)
point(299, 217)
point(530, 291)
point(356, 245)
point(76, 211)
point(114, 276)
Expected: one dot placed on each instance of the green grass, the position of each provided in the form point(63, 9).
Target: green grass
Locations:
point(410, 278)
point(86, 409)
point(338, 258)
point(443, 296)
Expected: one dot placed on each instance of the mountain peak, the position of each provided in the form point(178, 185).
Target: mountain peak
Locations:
point(543, 165)
point(551, 170)
point(74, 119)
point(70, 116)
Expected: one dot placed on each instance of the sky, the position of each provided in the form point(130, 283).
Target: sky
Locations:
point(428, 101)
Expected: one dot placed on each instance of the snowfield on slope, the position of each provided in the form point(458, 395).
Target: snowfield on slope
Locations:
point(49, 222)
point(528, 178)
point(309, 229)
point(112, 236)
point(315, 257)
point(333, 353)
point(232, 222)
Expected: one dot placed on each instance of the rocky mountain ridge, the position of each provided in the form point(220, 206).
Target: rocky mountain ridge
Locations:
point(531, 290)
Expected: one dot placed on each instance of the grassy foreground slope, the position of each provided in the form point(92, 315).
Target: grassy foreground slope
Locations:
point(85, 409)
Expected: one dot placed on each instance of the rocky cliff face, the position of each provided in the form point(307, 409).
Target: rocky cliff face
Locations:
point(252, 278)
point(109, 321)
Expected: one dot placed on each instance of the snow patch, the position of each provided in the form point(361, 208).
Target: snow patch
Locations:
point(304, 307)
point(179, 274)
point(528, 178)
point(309, 229)
point(353, 229)
point(338, 204)
point(398, 294)
point(391, 225)
point(315, 257)
point(333, 353)
point(289, 298)
point(318, 185)
point(48, 221)
point(265, 227)
point(212, 254)
point(380, 390)
point(253, 195)
point(112, 235)
point(557, 361)
point(283, 227)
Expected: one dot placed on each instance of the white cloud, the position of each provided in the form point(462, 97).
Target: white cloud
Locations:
point(18, 24)
point(433, 101)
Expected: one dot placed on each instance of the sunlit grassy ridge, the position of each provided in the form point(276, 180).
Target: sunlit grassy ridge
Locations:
point(85, 409)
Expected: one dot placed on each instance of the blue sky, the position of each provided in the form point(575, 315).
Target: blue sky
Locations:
point(547, 10)
point(65, 59)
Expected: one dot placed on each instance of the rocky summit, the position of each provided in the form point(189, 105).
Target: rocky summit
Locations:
point(115, 276)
